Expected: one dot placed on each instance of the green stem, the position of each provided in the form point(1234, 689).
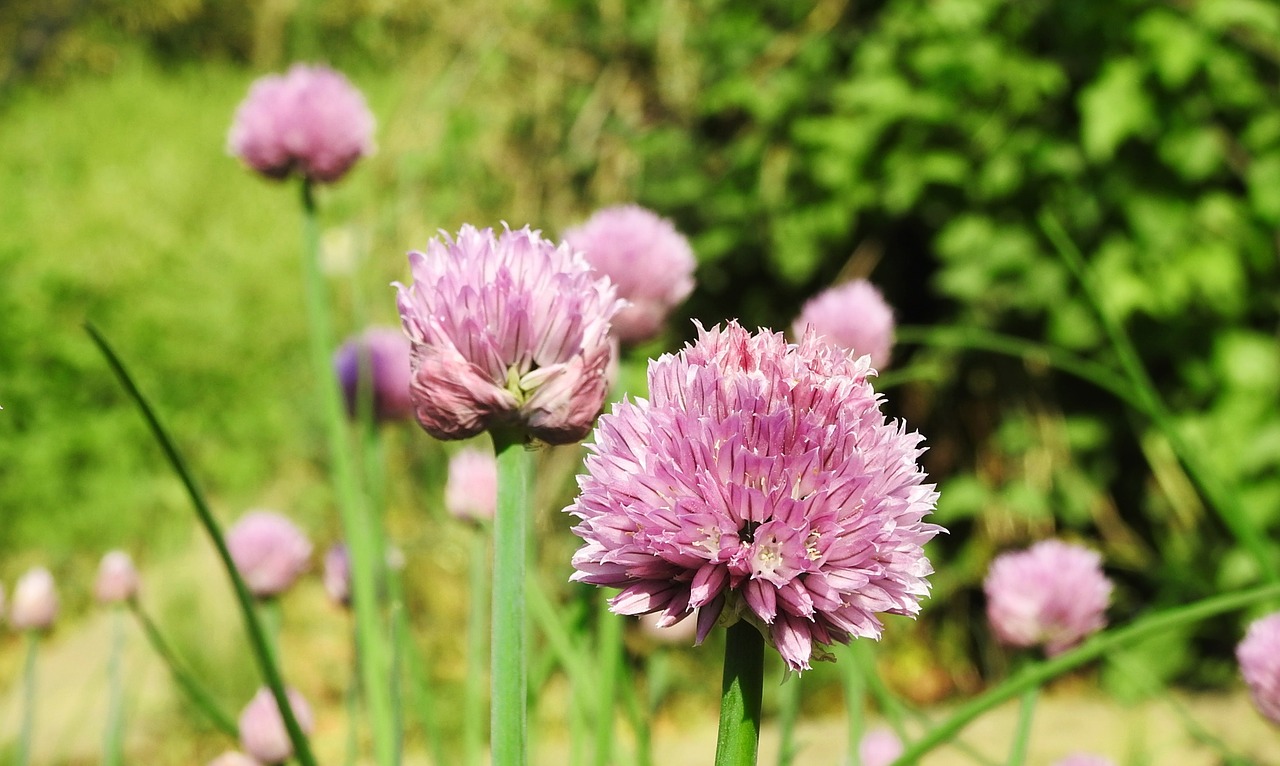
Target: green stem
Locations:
point(28, 699)
point(609, 630)
point(509, 663)
point(639, 724)
point(196, 694)
point(270, 615)
point(788, 711)
point(863, 654)
point(113, 739)
point(855, 693)
point(477, 635)
point(740, 695)
point(1022, 735)
point(352, 700)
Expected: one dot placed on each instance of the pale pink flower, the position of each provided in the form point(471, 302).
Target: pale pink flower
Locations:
point(233, 758)
point(1084, 759)
point(508, 332)
point(35, 601)
point(310, 121)
point(1259, 658)
point(262, 731)
point(853, 315)
point(760, 481)
point(645, 257)
point(385, 351)
point(337, 574)
point(1052, 594)
point(117, 578)
point(269, 551)
point(879, 747)
point(471, 491)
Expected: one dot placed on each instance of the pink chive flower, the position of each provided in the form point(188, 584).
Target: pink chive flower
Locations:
point(508, 332)
point(310, 121)
point(645, 257)
point(1084, 759)
point(1053, 593)
point(879, 747)
point(1259, 658)
point(760, 481)
point(385, 351)
point(471, 492)
point(233, 758)
point(35, 601)
point(269, 551)
point(117, 578)
point(262, 731)
point(853, 315)
point(337, 574)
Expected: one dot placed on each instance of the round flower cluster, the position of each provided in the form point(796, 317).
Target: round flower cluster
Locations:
point(1053, 593)
point(853, 315)
point(383, 353)
point(1259, 658)
point(269, 551)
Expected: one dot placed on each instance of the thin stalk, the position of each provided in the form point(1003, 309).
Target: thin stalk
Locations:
point(509, 663)
point(1022, 734)
point(422, 704)
point(352, 704)
point(855, 696)
point(253, 629)
point(271, 617)
point(190, 686)
point(563, 648)
point(741, 692)
point(25, 739)
point(113, 736)
point(609, 631)
point(639, 724)
point(863, 654)
point(477, 646)
point(788, 711)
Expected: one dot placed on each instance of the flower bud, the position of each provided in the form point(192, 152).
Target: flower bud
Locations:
point(262, 731)
point(854, 316)
point(471, 492)
point(35, 601)
point(269, 551)
point(380, 356)
point(117, 578)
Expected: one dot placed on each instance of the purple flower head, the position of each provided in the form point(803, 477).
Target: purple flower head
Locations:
point(262, 731)
point(269, 551)
point(337, 574)
point(1259, 658)
point(471, 491)
point(386, 352)
point(1053, 593)
point(508, 331)
point(1084, 759)
point(645, 257)
point(310, 121)
point(117, 578)
point(35, 601)
point(760, 481)
point(853, 315)
point(879, 747)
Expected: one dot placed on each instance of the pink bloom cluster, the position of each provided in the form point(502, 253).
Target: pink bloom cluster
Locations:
point(760, 481)
point(508, 331)
point(853, 315)
point(879, 747)
point(269, 551)
point(1054, 593)
point(1259, 658)
point(384, 353)
point(471, 491)
point(35, 601)
point(262, 731)
point(117, 578)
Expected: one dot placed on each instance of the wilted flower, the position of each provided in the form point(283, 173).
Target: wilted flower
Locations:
point(35, 601)
point(1053, 593)
point(1259, 658)
point(262, 731)
point(471, 491)
point(681, 633)
point(762, 481)
point(645, 257)
point(117, 578)
point(853, 315)
point(269, 552)
point(879, 747)
point(385, 351)
point(337, 574)
point(310, 121)
point(1084, 759)
point(508, 331)
point(233, 758)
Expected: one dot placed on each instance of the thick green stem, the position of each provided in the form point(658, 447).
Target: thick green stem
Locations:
point(28, 699)
point(509, 664)
point(609, 630)
point(1022, 735)
point(196, 694)
point(113, 736)
point(788, 712)
point(740, 695)
point(477, 646)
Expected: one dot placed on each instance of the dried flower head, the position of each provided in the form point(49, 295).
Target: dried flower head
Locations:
point(337, 574)
point(117, 578)
point(269, 551)
point(760, 481)
point(1052, 594)
point(1259, 658)
point(645, 257)
point(853, 315)
point(310, 121)
point(879, 747)
point(384, 353)
point(471, 492)
point(1084, 759)
point(35, 601)
point(508, 332)
point(262, 731)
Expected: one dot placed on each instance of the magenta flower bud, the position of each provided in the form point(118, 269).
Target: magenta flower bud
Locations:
point(337, 574)
point(853, 315)
point(262, 732)
point(644, 256)
point(879, 747)
point(508, 332)
point(386, 352)
point(233, 758)
point(471, 492)
point(310, 121)
point(117, 578)
point(269, 552)
point(759, 481)
point(1259, 658)
point(1084, 759)
point(35, 601)
point(1052, 594)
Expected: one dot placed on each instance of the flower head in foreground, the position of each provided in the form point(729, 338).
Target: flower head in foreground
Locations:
point(853, 315)
point(1084, 759)
point(1259, 658)
point(509, 331)
point(762, 482)
point(1053, 593)
point(262, 731)
point(310, 121)
point(471, 491)
point(337, 574)
point(269, 551)
point(650, 262)
point(385, 351)
point(879, 747)
point(117, 578)
point(35, 601)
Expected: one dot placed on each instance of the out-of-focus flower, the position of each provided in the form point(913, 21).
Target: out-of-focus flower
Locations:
point(645, 257)
point(310, 121)
point(853, 315)
point(879, 747)
point(269, 552)
point(233, 758)
point(1084, 759)
point(35, 601)
point(385, 351)
point(117, 578)
point(508, 332)
point(759, 481)
point(681, 633)
point(471, 492)
point(1259, 658)
point(1054, 593)
point(337, 574)
point(262, 731)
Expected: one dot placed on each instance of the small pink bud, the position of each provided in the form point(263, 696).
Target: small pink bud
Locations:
point(233, 758)
point(337, 574)
point(879, 747)
point(117, 578)
point(1084, 759)
point(262, 731)
point(853, 315)
point(35, 601)
point(385, 351)
point(471, 492)
point(269, 551)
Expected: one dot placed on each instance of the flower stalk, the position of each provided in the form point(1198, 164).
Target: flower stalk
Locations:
point(113, 736)
point(509, 664)
point(25, 739)
point(741, 693)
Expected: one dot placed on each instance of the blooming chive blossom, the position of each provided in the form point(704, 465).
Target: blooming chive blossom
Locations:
point(310, 121)
point(853, 315)
point(645, 257)
point(471, 491)
point(760, 481)
point(262, 731)
point(385, 351)
point(508, 331)
point(337, 574)
point(1084, 759)
point(117, 578)
point(1259, 658)
point(268, 551)
point(35, 601)
point(879, 747)
point(1053, 593)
